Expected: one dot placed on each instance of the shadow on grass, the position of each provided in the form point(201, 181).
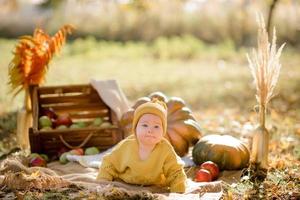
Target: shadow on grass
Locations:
point(8, 140)
point(8, 124)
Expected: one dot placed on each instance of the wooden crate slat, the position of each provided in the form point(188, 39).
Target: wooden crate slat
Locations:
point(90, 115)
point(102, 144)
point(53, 152)
point(77, 98)
point(101, 141)
point(65, 89)
point(51, 146)
point(68, 108)
point(70, 132)
point(94, 140)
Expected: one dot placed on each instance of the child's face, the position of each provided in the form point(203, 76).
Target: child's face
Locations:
point(149, 129)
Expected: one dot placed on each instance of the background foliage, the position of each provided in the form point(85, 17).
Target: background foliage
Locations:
point(212, 21)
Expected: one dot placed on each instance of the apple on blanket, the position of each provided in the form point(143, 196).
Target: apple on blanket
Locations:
point(90, 157)
point(208, 172)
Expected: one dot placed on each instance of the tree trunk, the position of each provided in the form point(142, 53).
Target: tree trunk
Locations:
point(270, 15)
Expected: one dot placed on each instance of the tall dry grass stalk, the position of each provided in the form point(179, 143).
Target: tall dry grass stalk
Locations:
point(265, 68)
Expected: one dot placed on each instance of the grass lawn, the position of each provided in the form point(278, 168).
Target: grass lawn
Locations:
point(213, 76)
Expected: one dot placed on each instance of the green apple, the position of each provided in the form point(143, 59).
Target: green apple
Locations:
point(81, 124)
point(91, 151)
point(97, 121)
point(47, 128)
point(45, 121)
point(106, 125)
point(46, 158)
point(78, 125)
point(62, 127)
point(63, 158)
point(74, 126)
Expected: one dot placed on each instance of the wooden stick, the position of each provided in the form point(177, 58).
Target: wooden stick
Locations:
point(24, 121)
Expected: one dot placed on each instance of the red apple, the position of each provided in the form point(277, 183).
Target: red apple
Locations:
point(49, 112)
point(63, 119)
point(212, 168)
point(37, 162)
point(203, 175)
point(78, 152)
point(45, 157)
point(33, 155)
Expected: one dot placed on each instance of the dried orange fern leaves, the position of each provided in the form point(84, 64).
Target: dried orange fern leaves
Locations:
point(32, 55)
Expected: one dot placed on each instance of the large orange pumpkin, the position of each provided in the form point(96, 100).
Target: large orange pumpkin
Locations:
point(227, 152)
point(183, 130)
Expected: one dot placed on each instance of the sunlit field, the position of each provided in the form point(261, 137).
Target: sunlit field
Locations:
point(204, 76)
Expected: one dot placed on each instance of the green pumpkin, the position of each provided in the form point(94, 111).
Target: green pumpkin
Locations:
point(226, 151)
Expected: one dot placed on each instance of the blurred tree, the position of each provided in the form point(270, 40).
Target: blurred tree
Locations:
point(51, 3)
point(7, 6)
point(270, 14)
point(139, 5)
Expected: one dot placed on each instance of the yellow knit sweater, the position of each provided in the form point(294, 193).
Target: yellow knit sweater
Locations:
point(163, 167)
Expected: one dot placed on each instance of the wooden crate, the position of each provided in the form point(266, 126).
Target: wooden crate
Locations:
point(83, 103)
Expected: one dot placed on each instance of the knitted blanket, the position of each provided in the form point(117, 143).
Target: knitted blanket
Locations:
point(15, 175)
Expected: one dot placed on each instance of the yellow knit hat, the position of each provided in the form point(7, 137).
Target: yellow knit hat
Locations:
point(155, 107)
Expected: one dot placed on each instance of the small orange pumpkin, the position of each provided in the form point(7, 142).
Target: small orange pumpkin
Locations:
point(183, 130)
